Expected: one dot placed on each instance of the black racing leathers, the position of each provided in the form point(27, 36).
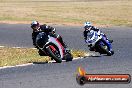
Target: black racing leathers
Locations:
point(49, 31)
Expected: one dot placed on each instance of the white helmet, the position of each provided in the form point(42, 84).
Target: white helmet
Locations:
point(34, 24)
point(87, 24)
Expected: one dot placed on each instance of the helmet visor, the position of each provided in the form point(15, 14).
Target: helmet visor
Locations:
point(87, 27)
point(35, 27)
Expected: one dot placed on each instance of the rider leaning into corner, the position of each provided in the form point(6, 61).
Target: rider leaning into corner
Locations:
point(37, 28)
point(88, 27)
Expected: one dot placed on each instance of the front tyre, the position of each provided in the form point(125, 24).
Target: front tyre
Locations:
point(105, 50)
point(50, 52)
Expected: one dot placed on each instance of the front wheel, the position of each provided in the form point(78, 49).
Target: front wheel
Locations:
point(54, 54)
point(105, 50)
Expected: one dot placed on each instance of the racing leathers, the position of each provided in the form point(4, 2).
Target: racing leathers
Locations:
point(104, 38)
point(49, 31)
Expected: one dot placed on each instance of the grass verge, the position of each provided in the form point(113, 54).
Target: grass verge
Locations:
point(16, 56)
point(100, 12)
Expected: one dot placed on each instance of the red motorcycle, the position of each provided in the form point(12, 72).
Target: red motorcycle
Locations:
point(50, 46)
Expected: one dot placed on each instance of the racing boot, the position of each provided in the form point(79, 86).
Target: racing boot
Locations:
point(66, 49)
point(41, 53)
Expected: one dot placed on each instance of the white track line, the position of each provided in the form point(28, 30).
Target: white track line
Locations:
point(17, 47)
point(22, 65)
point(2, 46)
point(33, 48)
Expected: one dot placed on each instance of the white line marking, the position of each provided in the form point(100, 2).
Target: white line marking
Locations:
point(33, 48)
point(53, 61)
point(17, 47)
point(2, 46)
point(22, 65)
point(78, 58)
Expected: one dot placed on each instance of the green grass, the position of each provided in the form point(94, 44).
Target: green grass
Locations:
point(16, 56)
point(107, 12)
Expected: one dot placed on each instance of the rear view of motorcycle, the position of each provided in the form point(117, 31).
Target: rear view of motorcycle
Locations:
point(50, 46)
point(99, 43)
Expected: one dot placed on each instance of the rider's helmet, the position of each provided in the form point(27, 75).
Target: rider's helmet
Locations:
point(35, 25)
point(88, 25)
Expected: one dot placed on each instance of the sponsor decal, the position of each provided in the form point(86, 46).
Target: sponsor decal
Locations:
point(83, 78)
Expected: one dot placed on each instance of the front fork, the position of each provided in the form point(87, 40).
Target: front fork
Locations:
point(106, 42)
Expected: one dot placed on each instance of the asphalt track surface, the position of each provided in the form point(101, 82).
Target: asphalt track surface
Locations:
point(63, 75)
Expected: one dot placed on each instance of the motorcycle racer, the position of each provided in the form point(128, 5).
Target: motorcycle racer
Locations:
point(89, 27)
point(37, 28)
